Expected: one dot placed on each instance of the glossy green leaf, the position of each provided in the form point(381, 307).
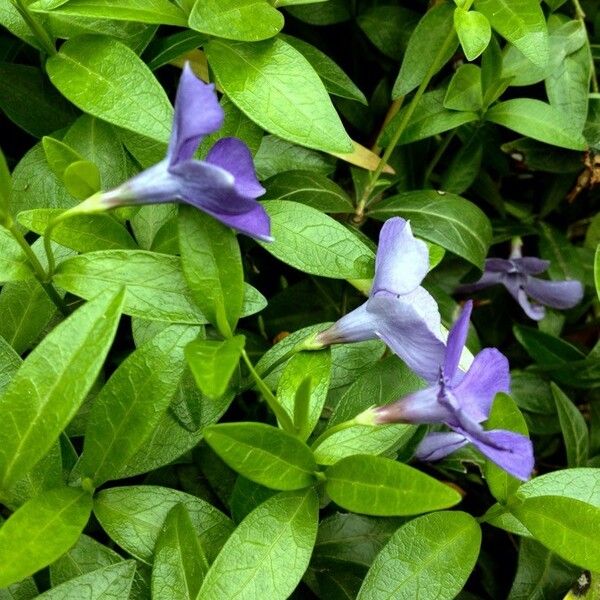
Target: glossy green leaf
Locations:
point(213, 363)
point(241, 20)
point(464, 91)
point(131, 403)
point(53, 382)
point(179, 562)
point(379, 486)
point(133, 516)
point(315, 243)
point(5, 185)
point(158, 12)
point(59, 155)
point(40, 531)
point(10, 362)
point(105, 78)
point(545, 349)
point(522, 23)
point(537, 120)
point(269, 551)
point(444, 219)
point(474, 31)
point(14, 265)
point(264, 454)
point(212, 266)
point(431, 45)
point(82, 179)
point(573, 427)
point(569, 527)
point(431, 556)
point(277, 88)
point(504, 415)
point(155, 288)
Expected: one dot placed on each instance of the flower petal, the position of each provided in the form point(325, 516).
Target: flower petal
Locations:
point(419, 407)
point(234, 156)
point(557, 294)
point(456, 341)
point(402, 261)
point(515, 285)
point(531, 265)
point(255, 222)
point(434, 446)
point(488, 375)
point(488, 279)
point(499, 265)
point(197, 113)
point(356, 326)
point(410, 326)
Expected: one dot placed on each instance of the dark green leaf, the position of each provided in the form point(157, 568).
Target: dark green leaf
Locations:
point(574, 428)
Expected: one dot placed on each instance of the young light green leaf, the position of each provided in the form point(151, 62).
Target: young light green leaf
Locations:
point(179, 562)
point(53, 382)
point(59, 155)
point(14, 265)
point(155, 288)
point(473, 30)
point(82, 179)
point(431, 45)
point(130, 405)
point(264, 454)
point(464, 91)
point(10, 362)
point(431, 556)
point(315, 243)
point(269, 551)
point(241, 20)
point(444, 219)
point(40, 531)
point(569, 527)
point(537, 120)
point(573, 427)
point(105, 78)
point(277, 88)
point(133, 516)
point(213, 363)
point(212, 266)
point(379, 486)
point(522, 23)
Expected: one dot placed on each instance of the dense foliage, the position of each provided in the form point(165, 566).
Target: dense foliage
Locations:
point(255, 336)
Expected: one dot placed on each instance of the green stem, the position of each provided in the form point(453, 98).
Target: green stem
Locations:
point(335, 429)
point(36, 28)
point(38, 269)
point(438, 154)
point(278, 410)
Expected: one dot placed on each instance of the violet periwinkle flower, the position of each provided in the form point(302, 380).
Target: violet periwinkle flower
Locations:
point(399, 311)
point(223, 185)
point(462, 401)
point(532, 293)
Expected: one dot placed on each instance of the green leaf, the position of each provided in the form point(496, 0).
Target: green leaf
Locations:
point(158, 12)
point(563, 256)
point(464, 91)
point(597, 270)
point(276, 87)
point(133, 516)
point(431, 45)
point(444, 219)
point(179, 562)
point(40, 531)
point(5, 185)
point(545, 349)
point(83, 233)
point(241, 20)
point(14, 265)
point(474, 31)
point(212, 266)
point(155, 288)
point(44, 396)
point(268, 553)
point(264, 454)
point(82, 179)
point(335, 80)
point(59, 155)
point(130, 405)
point(310, 371)
point(10, 362)
point(432, 555)
point(26, 589)
point(315, 243)
point(522, 23)
point(573, 427)
point(504, 415)
point(379, 486)
point(105, 78)
point(113, 581)
point(537, 120)
point(213, 363)
point(309, 188)
point(569, 527)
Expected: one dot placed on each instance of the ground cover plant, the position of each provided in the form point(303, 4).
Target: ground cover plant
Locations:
point(299, 299)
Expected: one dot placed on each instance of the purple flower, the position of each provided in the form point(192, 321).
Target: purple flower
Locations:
point(399, 311)
point(516, 275)
point(462, 401)
point(223, 185)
